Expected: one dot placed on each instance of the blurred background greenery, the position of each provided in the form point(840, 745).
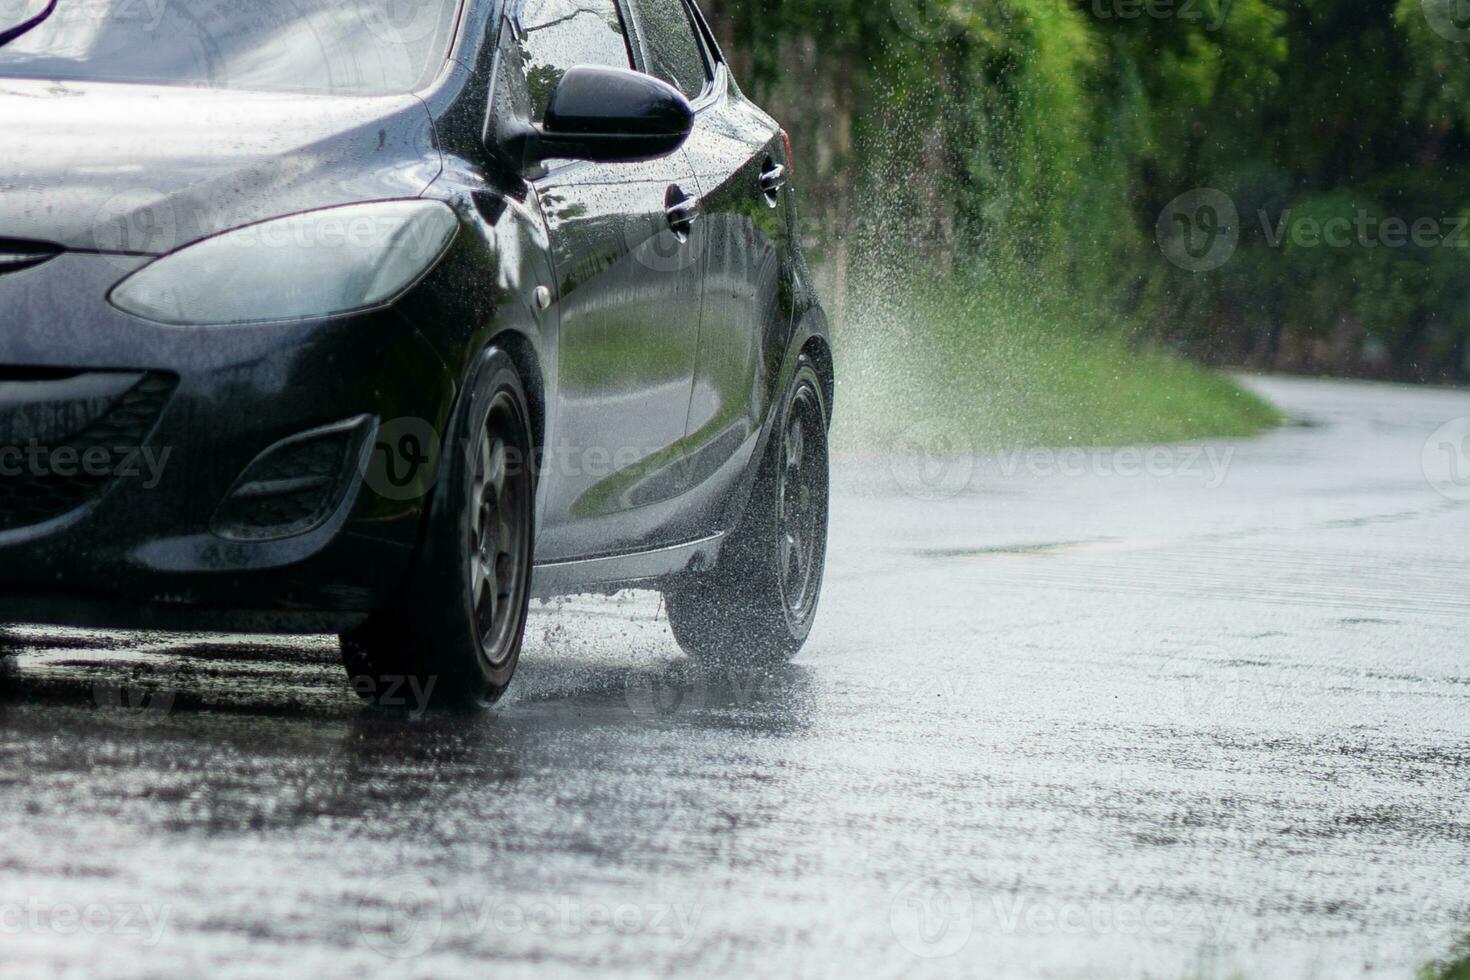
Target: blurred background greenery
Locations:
point(1030, 149)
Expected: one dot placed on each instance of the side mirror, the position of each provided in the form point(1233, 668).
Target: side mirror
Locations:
point(609, 115)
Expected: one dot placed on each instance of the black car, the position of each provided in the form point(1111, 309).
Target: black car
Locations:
point(378, 319)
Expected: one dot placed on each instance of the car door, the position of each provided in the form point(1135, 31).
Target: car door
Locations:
point(629, 295)
point(739, 159)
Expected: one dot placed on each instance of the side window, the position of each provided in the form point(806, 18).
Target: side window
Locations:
point(561, 34)
point(669, 47)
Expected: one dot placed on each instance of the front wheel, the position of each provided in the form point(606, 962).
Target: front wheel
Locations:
point(453, 636)
point(758, 604)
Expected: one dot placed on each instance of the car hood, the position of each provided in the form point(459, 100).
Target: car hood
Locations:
point(145, 169)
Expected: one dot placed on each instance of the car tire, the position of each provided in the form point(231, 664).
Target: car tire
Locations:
point(452, 637)
point(758, 604)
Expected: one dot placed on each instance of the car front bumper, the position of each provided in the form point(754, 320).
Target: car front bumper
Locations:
point(210, 407)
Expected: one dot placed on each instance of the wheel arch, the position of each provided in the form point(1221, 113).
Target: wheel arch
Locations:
point(819, 350)
point(522, 353)
point(812, 339)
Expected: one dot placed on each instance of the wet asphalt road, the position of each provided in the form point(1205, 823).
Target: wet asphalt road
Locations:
point(1201, 711)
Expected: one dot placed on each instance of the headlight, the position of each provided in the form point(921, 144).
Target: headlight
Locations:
point(321, 263)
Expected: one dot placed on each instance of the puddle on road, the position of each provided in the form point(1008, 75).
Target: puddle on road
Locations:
point(1098, 546)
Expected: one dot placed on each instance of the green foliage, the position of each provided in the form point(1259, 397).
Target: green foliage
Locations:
point(1046, 138)
point(1438, 88)
point(1455, 967)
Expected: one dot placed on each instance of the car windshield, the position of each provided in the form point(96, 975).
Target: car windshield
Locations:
point(355, 47)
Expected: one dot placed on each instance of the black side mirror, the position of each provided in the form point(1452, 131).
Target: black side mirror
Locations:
point(608, 115)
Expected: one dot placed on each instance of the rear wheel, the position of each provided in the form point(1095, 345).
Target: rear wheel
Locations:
point(453, 636)
point(758, 604)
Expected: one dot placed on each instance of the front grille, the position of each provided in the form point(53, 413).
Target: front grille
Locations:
point(60, 449)
point(294, 486)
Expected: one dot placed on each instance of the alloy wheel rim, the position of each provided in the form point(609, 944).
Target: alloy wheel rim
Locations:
point(497, 535)
point(799, 515)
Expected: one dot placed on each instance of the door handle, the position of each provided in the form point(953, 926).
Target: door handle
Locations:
point(681, 213)
point(773, 178)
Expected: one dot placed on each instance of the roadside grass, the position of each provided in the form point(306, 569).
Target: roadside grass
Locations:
point(997, 367)
point(1454, 967)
